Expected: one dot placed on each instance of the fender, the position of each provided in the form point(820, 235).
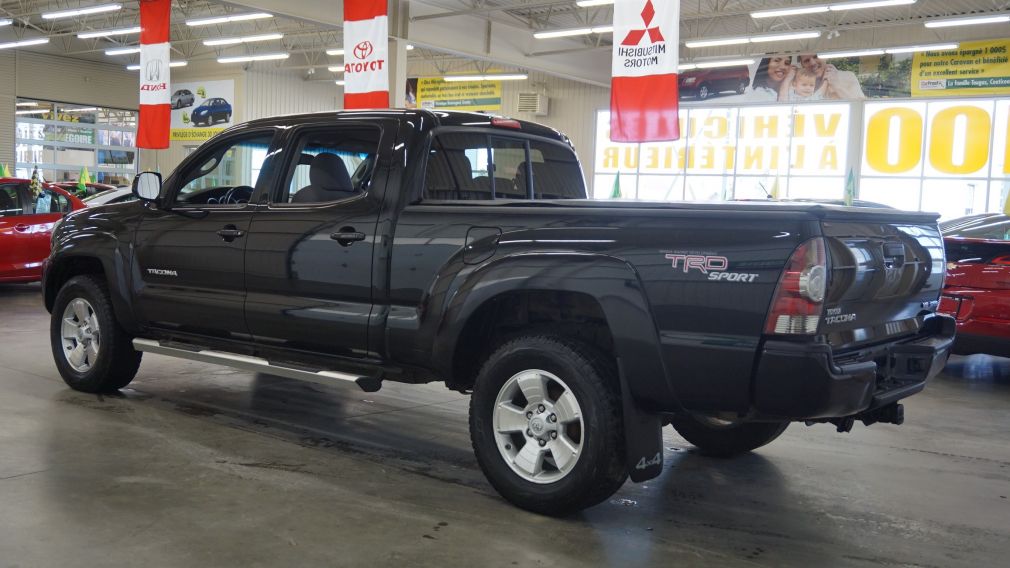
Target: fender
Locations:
point(615, 284)
point(102, 246)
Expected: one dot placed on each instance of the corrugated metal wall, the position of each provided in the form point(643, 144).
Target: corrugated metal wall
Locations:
point(573, 106)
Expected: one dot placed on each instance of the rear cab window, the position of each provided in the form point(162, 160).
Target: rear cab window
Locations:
point(467, 166)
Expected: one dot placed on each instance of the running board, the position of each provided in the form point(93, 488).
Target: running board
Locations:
point(256, 364)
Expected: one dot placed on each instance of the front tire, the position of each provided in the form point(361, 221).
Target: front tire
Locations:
point(721, 438)
point(545, 424)
point(92, 352)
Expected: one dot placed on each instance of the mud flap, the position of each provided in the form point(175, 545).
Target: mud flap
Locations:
point(643, 437)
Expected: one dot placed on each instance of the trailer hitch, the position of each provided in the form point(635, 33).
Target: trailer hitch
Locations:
point(893, 413)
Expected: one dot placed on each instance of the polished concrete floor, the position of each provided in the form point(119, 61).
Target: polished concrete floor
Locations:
point(195, 465)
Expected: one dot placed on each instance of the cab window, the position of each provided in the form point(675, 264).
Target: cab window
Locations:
point(330, 165)
point(228, 175)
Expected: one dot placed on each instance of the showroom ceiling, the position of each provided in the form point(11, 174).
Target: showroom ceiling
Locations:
point(454, 34)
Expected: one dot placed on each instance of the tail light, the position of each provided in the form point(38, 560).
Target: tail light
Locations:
point(798, 302)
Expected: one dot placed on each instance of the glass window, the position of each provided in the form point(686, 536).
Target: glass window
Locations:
point(61, 139)
point(228, 175)
point(900, 193)
point(10, 201)
point(458, 167)
point(508, 162)
point(556, 172)
point(332, 165)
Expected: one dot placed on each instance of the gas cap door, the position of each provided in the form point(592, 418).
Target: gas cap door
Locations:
point(481, 242)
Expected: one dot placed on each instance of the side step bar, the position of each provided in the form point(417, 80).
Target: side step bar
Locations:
point(257, 364)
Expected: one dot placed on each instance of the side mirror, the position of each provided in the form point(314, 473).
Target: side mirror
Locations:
point(147, 186)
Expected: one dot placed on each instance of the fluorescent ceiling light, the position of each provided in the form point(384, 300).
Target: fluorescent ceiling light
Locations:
point(780, 12)
point(170, 64)
point(334, 52)
point(858, 53)
point(752, 39)
point(6, 22)
point(871, 4)
point(24, 43)
point(591, 3)
point(122, 51)
point(915, 48)
point(336, 69)
point(246, 39)
point(27, 104)
point(785, 37)
point(81, 11)
point(970, 21)
point(574, 32)
point(83, 109)
point(339, 82)
point(228, 19)
point(725, 63)
point(686, 66)
point(106, 33)
point(247, 58)
point(410, 47)
point(716, 42)
point(37, 111)
point(488, 77)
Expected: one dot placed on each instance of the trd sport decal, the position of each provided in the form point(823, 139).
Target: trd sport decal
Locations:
point(714, 266)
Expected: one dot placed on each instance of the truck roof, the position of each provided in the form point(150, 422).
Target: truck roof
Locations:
point(433, 117)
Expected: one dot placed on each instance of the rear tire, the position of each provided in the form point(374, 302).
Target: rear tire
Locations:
point(724, 440)
point(581, 461)
point(113, 362)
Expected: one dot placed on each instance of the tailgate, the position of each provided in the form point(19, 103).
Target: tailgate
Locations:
point(884, 277)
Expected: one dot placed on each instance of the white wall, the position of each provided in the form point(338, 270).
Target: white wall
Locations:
point(572, 109)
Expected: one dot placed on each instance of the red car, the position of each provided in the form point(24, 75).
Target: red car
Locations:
point(977, 290)
point(705, 83)
point(25, 225)
point(91, 188)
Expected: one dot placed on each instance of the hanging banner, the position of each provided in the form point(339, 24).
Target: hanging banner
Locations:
point(366, 47)
point(974, 68)
point(202, 109)
point(155, 96)
point(643, 94)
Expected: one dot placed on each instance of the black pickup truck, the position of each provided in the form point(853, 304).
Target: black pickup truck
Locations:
point(422, 246)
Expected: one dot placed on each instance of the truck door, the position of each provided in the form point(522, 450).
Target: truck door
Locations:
point(189, 273)
point(309, 251)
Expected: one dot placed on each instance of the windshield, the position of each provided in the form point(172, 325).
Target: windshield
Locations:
point(992, 227)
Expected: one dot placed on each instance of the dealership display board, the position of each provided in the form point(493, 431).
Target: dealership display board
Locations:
point(434, 93)
point(190, 120)
point(950, 156)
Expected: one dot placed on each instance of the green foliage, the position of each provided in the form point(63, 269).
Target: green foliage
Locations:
point(201, 92)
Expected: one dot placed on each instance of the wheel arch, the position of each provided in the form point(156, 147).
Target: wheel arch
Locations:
point(112, 268)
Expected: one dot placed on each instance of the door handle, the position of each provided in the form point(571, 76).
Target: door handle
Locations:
point(347, 235)
point(230, 232)
point(21, 228)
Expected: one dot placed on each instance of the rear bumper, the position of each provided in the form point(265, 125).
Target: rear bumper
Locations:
point(807, 381)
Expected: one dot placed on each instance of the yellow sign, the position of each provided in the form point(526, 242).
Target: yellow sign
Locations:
point(433, 93)
point(194, 134)
point(974, 68)
point(937, 139)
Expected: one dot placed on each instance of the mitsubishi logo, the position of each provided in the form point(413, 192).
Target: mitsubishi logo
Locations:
point(634, 37)
point(363, 49)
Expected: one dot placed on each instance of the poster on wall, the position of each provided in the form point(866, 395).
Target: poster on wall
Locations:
point(202, 109)
point(974, 68)
point(434, 93)
point(801, 78)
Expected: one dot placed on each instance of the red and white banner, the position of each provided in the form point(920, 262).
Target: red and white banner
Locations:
point(366, 49)
point(155, 80)
point(643, 93)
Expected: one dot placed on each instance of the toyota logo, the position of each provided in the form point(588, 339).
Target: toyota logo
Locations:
point(363, 49)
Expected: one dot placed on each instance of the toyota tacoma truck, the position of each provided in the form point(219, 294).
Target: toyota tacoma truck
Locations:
point(419, 246)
